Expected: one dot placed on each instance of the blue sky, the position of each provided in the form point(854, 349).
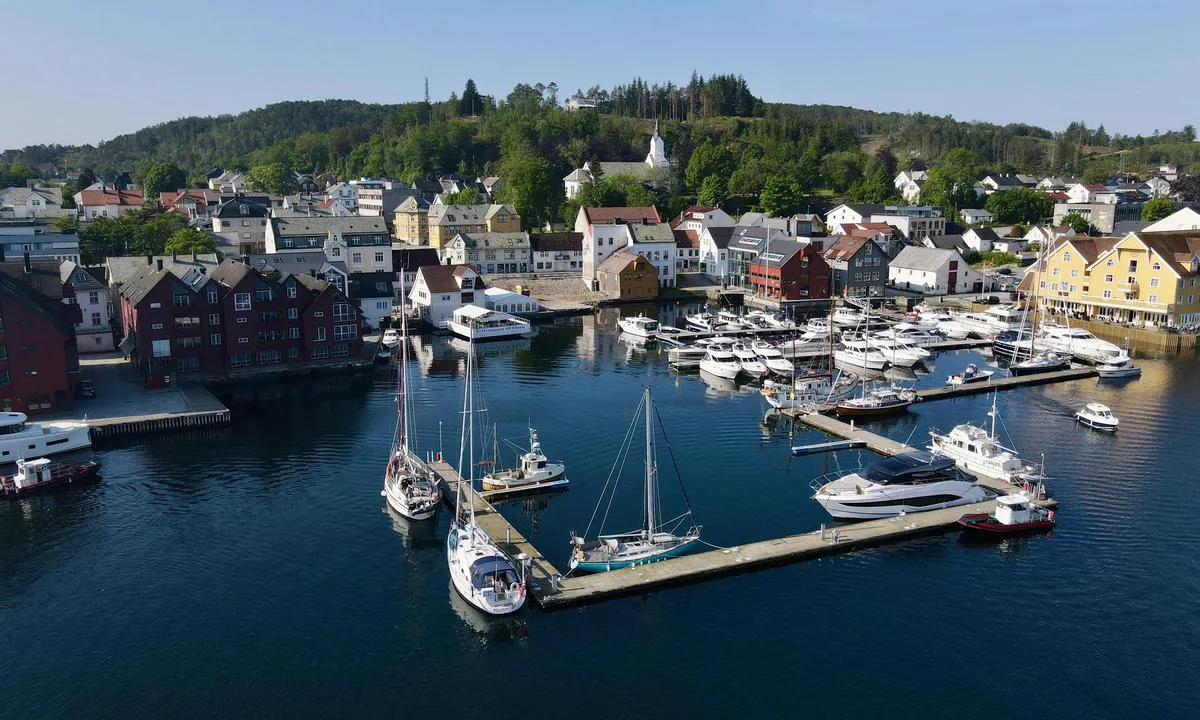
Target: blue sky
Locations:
point(87, 71)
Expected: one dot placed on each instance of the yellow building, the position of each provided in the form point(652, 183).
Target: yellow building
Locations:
point(410, 223)
point(447, 221)
point(1146, 277)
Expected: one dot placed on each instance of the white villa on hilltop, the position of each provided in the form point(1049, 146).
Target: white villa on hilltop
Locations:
point(652, 169)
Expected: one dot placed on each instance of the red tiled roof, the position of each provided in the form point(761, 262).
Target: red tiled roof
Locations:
point(109, 196)
point(845, 247)
point(686, 239)
point(610, 215)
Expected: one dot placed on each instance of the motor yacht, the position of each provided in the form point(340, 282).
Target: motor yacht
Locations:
point(860, 356)
point(720, 362)
point(772, 357)
point(702, 322)
point(640, 326)
point(978, 451)
point(20, 438)
point(911, 334)
point(905, 483)
point(846, 317)
point(752, 365)
point(390, 338)
point(1124, 369)
point(1082, 344)
point(817, 326)
point(686, 357)
point(1098, 417)
point(899, 352)
point(993, 321)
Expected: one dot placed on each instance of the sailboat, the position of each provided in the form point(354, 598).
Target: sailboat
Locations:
point(482, 574)
point(1027, 359)
point(654, 541)
point(408, 483)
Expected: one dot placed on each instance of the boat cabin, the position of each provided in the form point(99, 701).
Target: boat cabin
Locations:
point(911, 468)
point(31, 473)
point(1014, 509)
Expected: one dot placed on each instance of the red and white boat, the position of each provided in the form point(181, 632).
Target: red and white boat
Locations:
point(1014, 515)
point(36, 475)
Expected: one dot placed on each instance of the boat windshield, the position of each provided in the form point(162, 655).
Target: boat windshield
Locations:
point(489, 570)
point(909, 468)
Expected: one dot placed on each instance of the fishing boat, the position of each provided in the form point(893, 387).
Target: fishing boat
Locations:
point(482, 574)
point(972, 374)
point(752, 366)
point(773, 358)
point(34, 476)
point(720, 362)
point(1124, 369)
point(878, 402)
point(1098, 417)
point(905, 483)
point(1014, 515)
point(640, 326)
point(655, 541)
point(978, 451)
point(533, 468)
point(408, 484)
point(390, 338)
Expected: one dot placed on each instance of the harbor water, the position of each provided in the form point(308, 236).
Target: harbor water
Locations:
point(255, 571)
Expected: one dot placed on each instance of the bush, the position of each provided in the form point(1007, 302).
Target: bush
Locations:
point(999, 258)
point(972, 257)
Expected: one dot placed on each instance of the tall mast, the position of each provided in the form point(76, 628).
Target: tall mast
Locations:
point(471, 419)
point(993, 415)
point(650, 519)
point(402, 374)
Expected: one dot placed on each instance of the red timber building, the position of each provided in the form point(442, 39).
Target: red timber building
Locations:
point(790, 271)
point(39, 362)
point(236, 316)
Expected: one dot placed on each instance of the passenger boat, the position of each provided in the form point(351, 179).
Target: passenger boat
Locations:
point(390, 338)
point(879, 402)
point(408, 484)
point(482, 574)
point(21, 438)
point(773, 358)
point(478, 324)
point(533, 468)
point(655, 541)
point(752, 366)
point(34, 476)
point(978, 451)
point(1014, 515)
point(640, 326)
point(1124, 369)
point(905, 483)
point(971, 375)
point(1098, 417)
point(721, 363)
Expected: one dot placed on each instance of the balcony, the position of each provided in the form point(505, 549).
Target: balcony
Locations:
point(1126, 287)
point(1124, 303)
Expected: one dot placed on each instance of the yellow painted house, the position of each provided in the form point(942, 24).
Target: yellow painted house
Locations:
point(410, 222)
point(448, 221)
point(1146, 277)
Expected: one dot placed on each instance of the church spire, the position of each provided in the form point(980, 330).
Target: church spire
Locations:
point(657, 156)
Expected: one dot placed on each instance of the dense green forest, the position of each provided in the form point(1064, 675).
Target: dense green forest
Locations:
point(727, 145)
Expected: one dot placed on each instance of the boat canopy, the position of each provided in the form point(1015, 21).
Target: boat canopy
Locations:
point(1015, 501)
point(907, 467)
point(484, 569)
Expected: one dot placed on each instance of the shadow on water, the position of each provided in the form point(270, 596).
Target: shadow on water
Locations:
point(490, 629)
point(416, 534)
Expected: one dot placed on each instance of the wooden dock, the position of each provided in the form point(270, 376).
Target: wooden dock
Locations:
point(965, 344)
point(1074, 373)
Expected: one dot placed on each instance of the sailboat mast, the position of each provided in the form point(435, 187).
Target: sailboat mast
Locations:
point(402, 374)
point(993, 414)
point(471, 420)
point(650, 494)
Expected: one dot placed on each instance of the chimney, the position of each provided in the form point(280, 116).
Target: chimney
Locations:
point(174, 257)
point(149, 259)
point(28, 265)
point(160, 264)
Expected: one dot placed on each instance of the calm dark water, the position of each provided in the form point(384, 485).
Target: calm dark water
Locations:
point(256, 572)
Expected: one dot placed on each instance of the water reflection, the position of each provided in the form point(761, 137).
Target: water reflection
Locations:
point(415, 534)
point(490, 628)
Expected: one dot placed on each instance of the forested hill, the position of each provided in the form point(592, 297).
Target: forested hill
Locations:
point(199, 143)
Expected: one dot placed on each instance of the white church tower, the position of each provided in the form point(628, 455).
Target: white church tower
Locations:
point(657, 158)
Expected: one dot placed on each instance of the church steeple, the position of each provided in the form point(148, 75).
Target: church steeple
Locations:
point(657, 156)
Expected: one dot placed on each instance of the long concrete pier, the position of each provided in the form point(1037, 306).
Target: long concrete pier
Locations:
point(1008, 383)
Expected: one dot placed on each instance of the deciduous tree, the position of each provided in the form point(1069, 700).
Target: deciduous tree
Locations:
point(1077, 222)
point(1019, 205)
point(273, 178)
point(1156, 209)
point(162, 177)
point(713, 191)
point(781, 195)
point(708, 160)
point(190, 239)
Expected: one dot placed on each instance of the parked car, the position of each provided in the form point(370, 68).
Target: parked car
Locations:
point(86, 389)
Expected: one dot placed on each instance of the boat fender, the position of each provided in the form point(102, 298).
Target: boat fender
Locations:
point(1050, 515)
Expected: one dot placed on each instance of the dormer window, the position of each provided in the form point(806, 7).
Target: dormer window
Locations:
point(1156, 266)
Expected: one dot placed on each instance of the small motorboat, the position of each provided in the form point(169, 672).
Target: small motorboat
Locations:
point(669, 331)
point(1014, 515)
point(390, 338)
point(383, 355)
point(1042, 362)
point(1124, 369)
point(971, 375)
point(640, 326)
point(1098, 417)
point(534, 469)
point(36, 475)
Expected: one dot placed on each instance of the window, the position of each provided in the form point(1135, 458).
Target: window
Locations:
point(269, 316)
point(291, 291)
point(1110, 263)
point(241, 321)
point(1074, 273)
point(1054, 272)
point(214, 319)
point(1066, 256)
point(293, 353)
point(95, 319)
point(1133, 266)
point(182, 300)
point(319, 352)
point(319, 334)
point(245, 223)
point(1072, 288)
point(294, 333)
point(339, 350)
point(378, 257)
point(264, 295)
point(1108, 278)
point(155, 306)
point(319, 314)
point(187, 364)
point(1108, 293)
point(241, 301)
point(239, 359)
point(156, 326)
point(212, 296)
point(356, 258)
point(344, 332)
point(94, 297)
point(161, 348)
point(5, 377)
point(243, 340)
point(1156, 266)
point(269, 357)
point(214, 339)
point(337, 252)
point(1153, 298)
point(190, 342)
point(293, 313)
point(342, 312)
point(1153, 282)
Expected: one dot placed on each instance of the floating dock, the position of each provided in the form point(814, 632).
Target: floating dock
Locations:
point(1075, 373)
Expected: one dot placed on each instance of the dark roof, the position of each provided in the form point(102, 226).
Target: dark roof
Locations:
point(755, 238)
point(136, 287)
point(986, 234)
point(439, 278)
point(122, 268)
point(423, 185)
point(1005, 181)
point(371, 284)
point(620, 260)
point(720, 236)
point(305, 225)
point(230, 272)
point(779, 253)
point(686, 239)
point(292, 263)
point(241, 207)
point(947, 242)
point(78, 276)
point(409, 259)
point(1124, 227)
point(40, 290)
point(1177, 247)
point(556, 242)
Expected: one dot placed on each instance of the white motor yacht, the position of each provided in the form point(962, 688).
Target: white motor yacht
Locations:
point(846, 317)
point(702, 322)
point(1118, 370)
point(905, 483)
point(686, 357)
point(390, 338)
point(1099, 417)
point(640, 326)
point(817, 326)
point(721, 363)
point(911, 334)
point(752, 365)
point(1080, 343)
point(772, 357)
point(899, 352)
point(860, 356)
point(804, 346)
point(977, 451)
point(20, 438)
point(993, 321)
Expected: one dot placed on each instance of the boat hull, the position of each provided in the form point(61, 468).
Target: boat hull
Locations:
point(585, 566)
point(847, 506)
point(458, 560)
point(1096, 424)
point(984, 525)
point(1033, 370)
point(854, 411)
point(70, 475)
point(499, 482)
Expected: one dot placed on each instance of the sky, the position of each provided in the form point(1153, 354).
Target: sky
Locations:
point(95, 70)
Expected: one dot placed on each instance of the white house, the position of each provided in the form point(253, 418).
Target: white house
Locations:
point(714, 251)
point(1050, 183)
point(507, 301)
point(698, 217)
point(439, 290)
point(229, 181)
point(1046, 236)
point(996, 182)
point(1156, 187)
point(973, 216)
point(851, 213)
point(933, 272)
point(345, 192)
point(23, 203)
point(1182, 219)
point(607, 230)
point(1087, 192)
point(93, 333)
point(980, 239)
point(556, 252)
point(490, 252)
point(1010, 245)
point(909, 184)
point(105, 201)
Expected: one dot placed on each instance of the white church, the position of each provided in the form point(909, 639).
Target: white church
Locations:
point(653, 168)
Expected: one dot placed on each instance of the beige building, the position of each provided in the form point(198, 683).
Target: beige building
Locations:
point(447, 221)
point(488, 253)
point(410, 222)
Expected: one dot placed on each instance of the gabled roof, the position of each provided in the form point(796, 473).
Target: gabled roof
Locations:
point(21, 195)
point(495, 240)
point(292, 263)
point(923, 258)
point(304, 226)
point(40, 290)
point(755, 238)
point(720, 236)
point(371, 284)
point(556, 242)
point(111, 196)
point(122, 268)
point(619, 260)
point(687, 239)
point(947, 242)
point(241, 207)
point(78, 276)
point(1003, 181)
point(779, 253)
point(652, 233)
point(846, 246)
point(409, 259)
point(1176, 248)
point(439, 278)
point(230, 273)
point(612, 215)
point(985, 234)
point(863, 209)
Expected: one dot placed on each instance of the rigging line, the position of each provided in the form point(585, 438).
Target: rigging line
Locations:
point(616, 464)
point(717, 547)
point(674, 464)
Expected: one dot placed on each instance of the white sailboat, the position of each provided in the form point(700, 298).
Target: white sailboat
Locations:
point(408, 483)
point(654, 541)
point(482, 574)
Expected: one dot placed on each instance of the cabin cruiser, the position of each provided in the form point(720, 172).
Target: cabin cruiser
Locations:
point(721, 362)
point(1098, 417)
point(905, 483)
point(640, 326)
point(846, 317)
point(390, 338)
point(772, 357)
point(977, 451)
point(475, 323)
point(859, 356)
point(1124, 369)
point(20, 438)
point(669, 331)
point(899, 352)
point(752, 365)
point(702, 322)
point(817, 326)
point(994, 320)
point(1081, 344)
point(953, 329)
point(911, 333)
point(804, 346)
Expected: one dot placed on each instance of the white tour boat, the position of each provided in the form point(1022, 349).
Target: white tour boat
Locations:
point(475, 323)
point(20, 438)
point(905, 483)
point(1098, 417)
point(640, 326)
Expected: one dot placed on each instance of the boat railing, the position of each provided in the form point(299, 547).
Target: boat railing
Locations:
point(822, 480)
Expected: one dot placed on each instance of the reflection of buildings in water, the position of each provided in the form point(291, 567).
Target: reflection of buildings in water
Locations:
point(490, 628)
point(415, 534)
point(490, 348)
point(422, 350)
point(532, 507)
